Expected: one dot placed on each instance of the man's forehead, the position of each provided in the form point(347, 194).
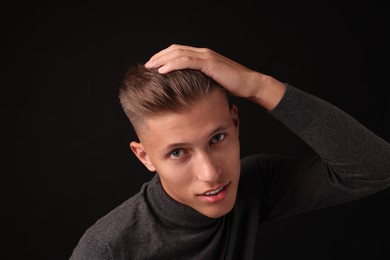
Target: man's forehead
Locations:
point(202, 118)
point(215, 104)
point(189, 122)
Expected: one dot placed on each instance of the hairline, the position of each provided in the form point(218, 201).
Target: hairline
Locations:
point(140, 124)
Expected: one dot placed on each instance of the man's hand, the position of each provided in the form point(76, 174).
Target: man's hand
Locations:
point(235, 78)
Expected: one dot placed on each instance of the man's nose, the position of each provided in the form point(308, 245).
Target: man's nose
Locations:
point(208, 169)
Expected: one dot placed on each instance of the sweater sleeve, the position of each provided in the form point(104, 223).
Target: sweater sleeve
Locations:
point(351, 161)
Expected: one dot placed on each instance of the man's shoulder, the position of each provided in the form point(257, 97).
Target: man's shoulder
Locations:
point(263, 160)
point(129, 215)
point(253, 160)
point(256, 167)
point(109, 236)
point(252, 166)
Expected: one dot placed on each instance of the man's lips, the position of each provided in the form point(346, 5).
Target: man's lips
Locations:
point(214, 191)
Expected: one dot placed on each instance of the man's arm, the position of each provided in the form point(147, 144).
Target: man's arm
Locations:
point(235, 78)
point(352, 161)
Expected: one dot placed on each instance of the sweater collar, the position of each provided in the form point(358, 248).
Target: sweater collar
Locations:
point(172, 212)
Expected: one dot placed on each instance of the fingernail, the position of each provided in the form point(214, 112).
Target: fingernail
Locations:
point(161, 69)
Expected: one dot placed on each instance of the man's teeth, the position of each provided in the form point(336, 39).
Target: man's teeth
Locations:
point(210, 193)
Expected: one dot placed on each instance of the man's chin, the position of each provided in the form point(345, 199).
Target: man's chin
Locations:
point(217, 211)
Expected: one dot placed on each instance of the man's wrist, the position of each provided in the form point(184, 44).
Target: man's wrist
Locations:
point(268, 91)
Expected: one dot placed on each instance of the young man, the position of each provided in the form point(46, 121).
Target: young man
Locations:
point(205, 201)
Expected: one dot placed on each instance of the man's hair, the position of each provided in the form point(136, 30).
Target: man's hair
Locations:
point(145, 92)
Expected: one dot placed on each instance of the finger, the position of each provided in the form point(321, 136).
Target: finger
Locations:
point(173, 47)
point(170, 48)
point(173, 51)
point(183, 62)
point(170, 56)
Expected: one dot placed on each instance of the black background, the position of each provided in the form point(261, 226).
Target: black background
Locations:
point(66, 160)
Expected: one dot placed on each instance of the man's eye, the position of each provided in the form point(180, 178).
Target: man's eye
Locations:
point(217, 138)
point(177, 153)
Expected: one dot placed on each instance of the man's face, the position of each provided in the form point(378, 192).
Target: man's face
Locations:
point(196, 153)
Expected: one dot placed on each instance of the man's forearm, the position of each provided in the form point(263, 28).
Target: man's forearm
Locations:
point(351, 149)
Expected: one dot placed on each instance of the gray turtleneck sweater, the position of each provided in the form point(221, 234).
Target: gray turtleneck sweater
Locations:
point(351, 163)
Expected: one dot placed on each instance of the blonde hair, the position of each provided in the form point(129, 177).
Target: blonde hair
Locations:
point(146, 92)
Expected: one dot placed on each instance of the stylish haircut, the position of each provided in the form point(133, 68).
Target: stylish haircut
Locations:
point(145, 92)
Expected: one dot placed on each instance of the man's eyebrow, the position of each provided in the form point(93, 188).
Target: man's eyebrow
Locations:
point(171, 147)
point(175, 145)
point(218, 129)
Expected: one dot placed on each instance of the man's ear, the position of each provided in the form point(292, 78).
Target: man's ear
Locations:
point(139, 150)
point(234, 114)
